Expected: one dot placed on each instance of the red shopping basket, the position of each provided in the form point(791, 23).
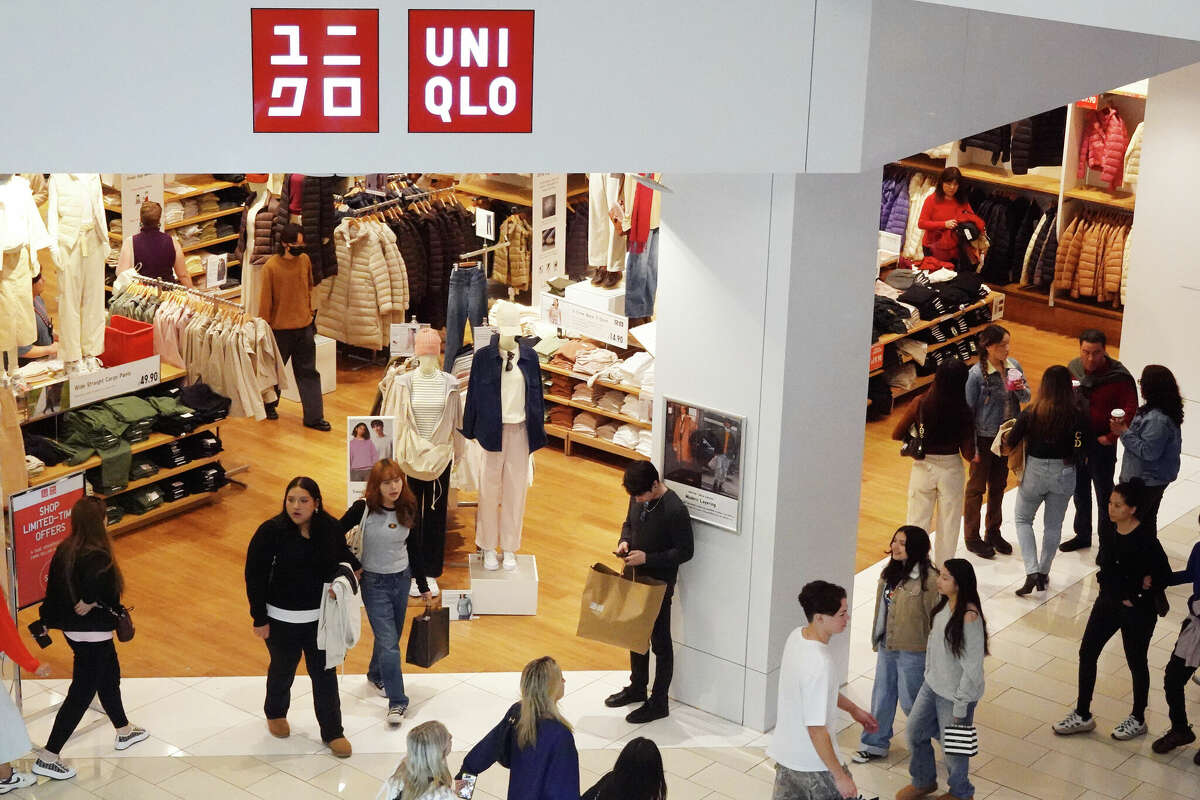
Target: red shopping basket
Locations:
point(127, 340)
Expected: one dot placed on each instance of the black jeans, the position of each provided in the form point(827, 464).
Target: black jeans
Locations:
point(1174, 680)
point(1095, 473)
point(300, 345)
point(664, 655)
point(1137, 628)
point(1148, 514)
point(96, 670)
point(430, 527)
point(285, 644)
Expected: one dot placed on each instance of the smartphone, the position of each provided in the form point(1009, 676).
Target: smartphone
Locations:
point(468, 787)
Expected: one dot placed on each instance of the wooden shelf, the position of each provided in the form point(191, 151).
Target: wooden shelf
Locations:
point(155, 440)
point(888, 338)
point(133, 521)
point(166, 373)
point(518, 194)
point(921, 382)
point(904, 359)
point(621, 387)
point(202, 184)
point(201, 245)
point(563, 401)
point(183, 223)
point(999, 176)
point(162, 475)
point(1102, 197)
point(606, 446)
point(923, 163)
point(558, 431)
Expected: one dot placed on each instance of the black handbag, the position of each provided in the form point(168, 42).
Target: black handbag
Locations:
point(914, 441)
point(125, 629)
point(429, 638)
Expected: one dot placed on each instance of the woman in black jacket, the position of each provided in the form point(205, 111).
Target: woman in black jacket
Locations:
point(290, 559)
point(83, 595)
point(637, 775)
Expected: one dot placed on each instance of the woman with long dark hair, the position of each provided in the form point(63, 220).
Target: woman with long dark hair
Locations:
point(391, 559)
point(958, 642)
point(943, 212)
point(1134, 572)
point(1153, 440)
point(904, 599)
point(290, 559)
point(83, 597)
point(936, 481)
point(637, 775)
point(1053, 428)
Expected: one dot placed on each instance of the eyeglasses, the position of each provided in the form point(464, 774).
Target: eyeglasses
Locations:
point(508, 365)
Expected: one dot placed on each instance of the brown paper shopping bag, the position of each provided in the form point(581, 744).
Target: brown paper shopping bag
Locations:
point(619, 611)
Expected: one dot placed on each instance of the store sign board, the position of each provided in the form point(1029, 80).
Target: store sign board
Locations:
point(315, 70)
point(577, 320)
point(92, 387)
point(876, 357)
point(485, 224)
point(549, 229)
point(1090, 102)
point(470, 71)
point(402, 339)
point(40, 519)
point(702, 455)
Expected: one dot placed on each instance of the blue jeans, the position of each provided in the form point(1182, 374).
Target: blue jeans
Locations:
point(467, 301)
point(931, 713)
point(386, 599)
point(898, 676)
point(1049, 481)
point(641, 279)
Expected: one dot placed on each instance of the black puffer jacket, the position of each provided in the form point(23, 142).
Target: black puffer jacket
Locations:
point(416, 265)
point(1045, 251)
point(433, 239)
point(1024, 233)
point(998, 141)
point(1037, 141)
point(318, 221)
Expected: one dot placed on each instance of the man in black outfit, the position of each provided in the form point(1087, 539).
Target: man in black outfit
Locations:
point(655, 539)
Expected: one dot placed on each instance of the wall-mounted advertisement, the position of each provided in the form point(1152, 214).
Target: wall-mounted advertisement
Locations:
point(368, 439)
point(702, 461)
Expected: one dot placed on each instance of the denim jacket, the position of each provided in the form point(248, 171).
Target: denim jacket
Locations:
point(481, 415)
point(1152, 446)
point(990, 400)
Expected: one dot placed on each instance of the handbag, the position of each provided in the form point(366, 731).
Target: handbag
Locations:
point(125, 629)
point(914, 441)
point(421, 458)
point(354, 536)
point(960, 740)
point(429, 638)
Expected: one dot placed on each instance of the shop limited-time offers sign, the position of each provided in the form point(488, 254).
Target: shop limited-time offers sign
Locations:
point(316, 70)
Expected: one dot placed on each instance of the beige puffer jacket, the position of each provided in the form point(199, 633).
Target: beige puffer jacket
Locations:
point(920, 186)
point(1114, 255)
point(358, 304)
point(1091, 256)
point(512, 264)
point(1133, 157)
point(1125, 263)
point(1064, 268)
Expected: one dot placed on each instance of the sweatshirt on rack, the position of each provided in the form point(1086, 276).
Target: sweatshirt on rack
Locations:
point(285, 299)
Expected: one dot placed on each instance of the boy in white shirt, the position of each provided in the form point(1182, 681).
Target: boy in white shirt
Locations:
point(808, 764)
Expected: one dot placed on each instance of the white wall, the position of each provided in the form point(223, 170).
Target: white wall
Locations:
point(1162, 17)
point(1163, 294)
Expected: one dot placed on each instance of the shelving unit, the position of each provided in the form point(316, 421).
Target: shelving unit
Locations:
point(162, 475)
point(133, 521)
point(520, 195)
point(155, 440)
point(571, 438)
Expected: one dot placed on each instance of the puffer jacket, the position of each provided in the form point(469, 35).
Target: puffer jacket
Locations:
point(1133, 156)
point(432, 238)
point(408, 239)
point(1125, 263)
point(359, 302)
point(1029, 261)
point(512, 264)
point(254, 247)
point(920, 186)
point(1030, 213)
point(1043, 268)
point(997, 141)
point(1091, 256)
point(1103, 146)
point(1038, 140)
point(897, 216)
point(317, 221)
point(1114, 259)
point(1064, 265)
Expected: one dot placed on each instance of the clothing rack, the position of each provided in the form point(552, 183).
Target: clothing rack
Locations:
point(490, 248)
point(175, 287)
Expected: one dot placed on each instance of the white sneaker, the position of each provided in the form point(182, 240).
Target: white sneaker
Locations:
point(510, 561)
point(1073, 723)
point(1130, 728)
point(395, 715)
point(413, 591)
point(53, 769)
point(433, 587)
point(128, 740)
point(489, 560)
point(18, 780)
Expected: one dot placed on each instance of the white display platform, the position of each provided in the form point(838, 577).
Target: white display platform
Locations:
point(585, 294)
point(503, 592)
point(326, 365)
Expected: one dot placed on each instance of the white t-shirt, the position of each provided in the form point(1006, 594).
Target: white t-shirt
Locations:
point(512, 390)
point(807, 696)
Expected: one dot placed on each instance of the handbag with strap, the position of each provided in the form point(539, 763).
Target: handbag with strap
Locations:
point(914, 441)
point(421, 458)
point(354, 536)
point(429, 638)
point(125, 629)
point(960, 740)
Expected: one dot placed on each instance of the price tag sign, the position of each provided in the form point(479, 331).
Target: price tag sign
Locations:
point(1090, 102)
point(216, 269)
point(577, 320)
point(485, 224)
point(876, 357)
point(998, 306)
point(403, 339)
point(121, 379)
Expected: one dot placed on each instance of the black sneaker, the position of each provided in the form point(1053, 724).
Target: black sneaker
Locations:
point(128, 740)
point(53, 769)
point(980, 548)
point(626, 697)
point(1172, 739)
point(647, 712)
point(1075, 543)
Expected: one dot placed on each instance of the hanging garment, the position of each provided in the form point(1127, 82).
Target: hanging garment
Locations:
point(1103, 146)
point(920, 186)
point(1037, 141)
point(23, 235)
point(369, 291)
point(1133, 157)
point(997, 141)
point(512, 264)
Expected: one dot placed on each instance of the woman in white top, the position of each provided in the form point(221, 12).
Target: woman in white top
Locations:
point(423, 773)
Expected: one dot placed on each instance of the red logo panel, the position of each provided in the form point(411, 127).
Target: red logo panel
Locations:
point(316, 70)
point(470, 71)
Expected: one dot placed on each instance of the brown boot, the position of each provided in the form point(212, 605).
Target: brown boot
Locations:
point(948, 796)
point(340, 747)
point(598, 276)
point(911, 792)
point(279, 728)
point(613, 279)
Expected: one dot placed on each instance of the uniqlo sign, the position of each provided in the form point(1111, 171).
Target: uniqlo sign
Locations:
point(316, 70)
point(470, 71)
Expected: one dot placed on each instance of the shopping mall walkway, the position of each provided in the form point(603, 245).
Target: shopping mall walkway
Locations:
point(209, 740)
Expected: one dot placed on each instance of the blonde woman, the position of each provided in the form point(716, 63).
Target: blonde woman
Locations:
point(534, 739)
point(423, 774)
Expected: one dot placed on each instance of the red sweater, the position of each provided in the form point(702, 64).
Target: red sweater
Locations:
point(10, 640)
point(934, 213)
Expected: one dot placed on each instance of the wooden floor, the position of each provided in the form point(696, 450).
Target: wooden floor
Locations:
point(184, 575)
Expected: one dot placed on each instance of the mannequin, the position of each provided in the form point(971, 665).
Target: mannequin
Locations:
point(606, 226)
point(79, 232)
point(641, 267)
point(22, 235)
point(427, 442)
point(504, 413)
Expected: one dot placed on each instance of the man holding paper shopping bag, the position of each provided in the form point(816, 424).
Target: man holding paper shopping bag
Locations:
point(655, 539)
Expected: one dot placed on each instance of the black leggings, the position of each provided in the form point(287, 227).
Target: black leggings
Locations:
point(96, 671)
point(1137, 628)
point(1175, 678)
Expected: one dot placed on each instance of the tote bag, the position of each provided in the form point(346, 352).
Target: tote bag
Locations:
point(429, 638)
point(619, 611)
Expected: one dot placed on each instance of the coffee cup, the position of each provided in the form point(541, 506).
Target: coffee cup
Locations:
point(1118, 416)
point(1075, 385)
point(1014, 378)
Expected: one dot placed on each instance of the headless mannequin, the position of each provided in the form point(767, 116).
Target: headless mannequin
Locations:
point(251, 272)
point(17, 268)
point(77, 227)
point(504, 481)
point(433, 495)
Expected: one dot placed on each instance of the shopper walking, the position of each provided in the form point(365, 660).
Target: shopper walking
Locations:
point(391, 558)
point(655, 539)
point(637, 775)
point(942, 214)
point(285, 302)
point(1052, 429)
point(1153, 441)
point(996, 389)
point(1185, 658)
point(958, 642)
point(14, 739)
point(904, 599)
point(290, 559)
point(422, 774)
point(83, 598)
point(808, 763)
point(1104, 385)
point(535, 739)
point(935, 485)
point(1133, 574)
